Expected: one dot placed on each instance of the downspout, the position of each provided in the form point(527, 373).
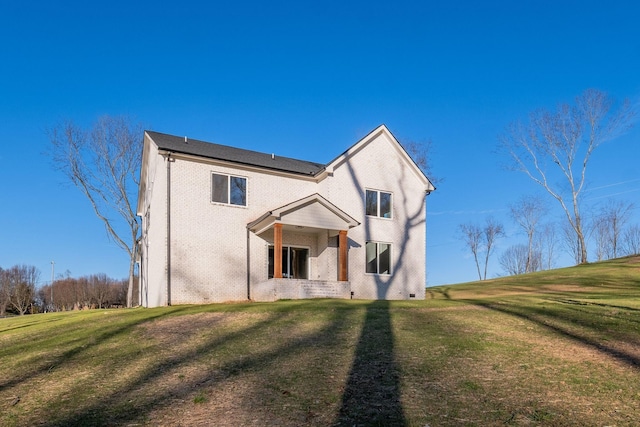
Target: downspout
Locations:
point(169, 161)
point(146, 275)
point(144, 260)
point(248, 265)
point(140, 270)
point(141, 264)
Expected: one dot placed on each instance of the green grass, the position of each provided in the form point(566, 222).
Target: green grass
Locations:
point(552, 348)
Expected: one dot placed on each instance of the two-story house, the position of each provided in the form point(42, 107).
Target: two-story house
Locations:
point(225, 224)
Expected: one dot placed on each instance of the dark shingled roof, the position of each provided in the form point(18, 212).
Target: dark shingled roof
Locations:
point(231, 154)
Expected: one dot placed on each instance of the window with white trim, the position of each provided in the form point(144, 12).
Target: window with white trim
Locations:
point(378, 203)
point(378, 258)
point(228, 189)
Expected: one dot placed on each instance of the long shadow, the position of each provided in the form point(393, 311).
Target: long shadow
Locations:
point(587, 303)
point(102, 413)
point(583, 308)
point(546, 320)
point(38, 319)
point(372, 393)
point(77, 347)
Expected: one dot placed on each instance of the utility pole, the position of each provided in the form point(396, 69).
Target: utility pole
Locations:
point(52, 270)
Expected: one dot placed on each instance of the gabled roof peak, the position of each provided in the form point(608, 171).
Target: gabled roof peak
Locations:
point(400, 150)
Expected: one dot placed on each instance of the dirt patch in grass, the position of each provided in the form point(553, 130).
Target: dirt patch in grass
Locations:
point(175, 331)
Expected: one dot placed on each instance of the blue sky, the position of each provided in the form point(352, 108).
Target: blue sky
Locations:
point(304, 80)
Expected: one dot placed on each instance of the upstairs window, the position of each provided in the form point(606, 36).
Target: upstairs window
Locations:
point(378, 258)
point(378, 203)
point(228, 189)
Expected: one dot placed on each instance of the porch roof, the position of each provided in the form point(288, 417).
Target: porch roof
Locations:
point(309, 214)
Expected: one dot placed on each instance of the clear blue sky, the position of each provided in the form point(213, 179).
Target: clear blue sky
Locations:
point(305, 80)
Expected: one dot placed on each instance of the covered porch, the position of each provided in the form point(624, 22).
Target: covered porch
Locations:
point(291, 274)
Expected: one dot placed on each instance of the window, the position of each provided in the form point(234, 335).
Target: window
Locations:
point(378, 258)
point(228, 189)
point(378, 203)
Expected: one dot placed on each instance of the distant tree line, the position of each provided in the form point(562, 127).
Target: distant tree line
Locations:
point(608, 230)
point(20, 294)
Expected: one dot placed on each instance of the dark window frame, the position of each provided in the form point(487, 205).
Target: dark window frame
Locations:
point(381, 263)
point(373, 201)
point(228, 189)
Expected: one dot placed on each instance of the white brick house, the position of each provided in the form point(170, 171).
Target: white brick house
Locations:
point(225, 224)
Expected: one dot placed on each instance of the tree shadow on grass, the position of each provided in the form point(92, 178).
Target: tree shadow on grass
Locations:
point(132, 402)
point(557, 323)
point(77, 343)
point(372, 393)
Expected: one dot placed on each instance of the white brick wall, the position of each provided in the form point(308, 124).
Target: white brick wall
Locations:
point(209, 241)
point(376, 167)
point(154, 237)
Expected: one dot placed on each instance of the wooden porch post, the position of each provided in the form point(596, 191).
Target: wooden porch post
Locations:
point(277, 251)
point(342, 256)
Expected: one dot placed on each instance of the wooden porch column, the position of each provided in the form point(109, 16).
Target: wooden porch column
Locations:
point(277, 251)
point(342, 256)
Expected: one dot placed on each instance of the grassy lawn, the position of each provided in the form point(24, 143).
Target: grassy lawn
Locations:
point(553, 348)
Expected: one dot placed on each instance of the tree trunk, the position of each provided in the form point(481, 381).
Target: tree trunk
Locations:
point(477, 266)
point(581, 242)
point(132, 263)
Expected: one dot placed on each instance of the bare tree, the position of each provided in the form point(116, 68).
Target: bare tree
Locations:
point(482, 240)
point(103, 163)
point(527, 213)
point(421, 153)
point(614, 216)
point(44, 298)
point(491, 232)
point(547, 243)
point(472, 236)
point(514, 259)
point(600, 231)
point(518, 259)
point(631, 239)
point(5, 291)
point(102, 289)
point(570, 241)
point(564, 141)
point(22, 282)
point(64, 289)
point(83, 292)
point(607, 227)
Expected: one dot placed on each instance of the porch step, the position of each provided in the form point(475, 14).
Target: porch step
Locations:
point(275, 289)
point(319, 289)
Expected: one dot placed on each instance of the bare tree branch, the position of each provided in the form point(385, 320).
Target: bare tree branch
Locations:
point(562, 143)
point(421, 153)
point(472, 236)
point(492, 231)
point(481, 239)
point(103, 163)
point(608, 226)
point(527, 213)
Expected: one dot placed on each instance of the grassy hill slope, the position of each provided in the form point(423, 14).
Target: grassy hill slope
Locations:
point(551, 348)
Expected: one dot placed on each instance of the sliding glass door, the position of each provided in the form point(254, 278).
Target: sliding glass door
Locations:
point(295, 262)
